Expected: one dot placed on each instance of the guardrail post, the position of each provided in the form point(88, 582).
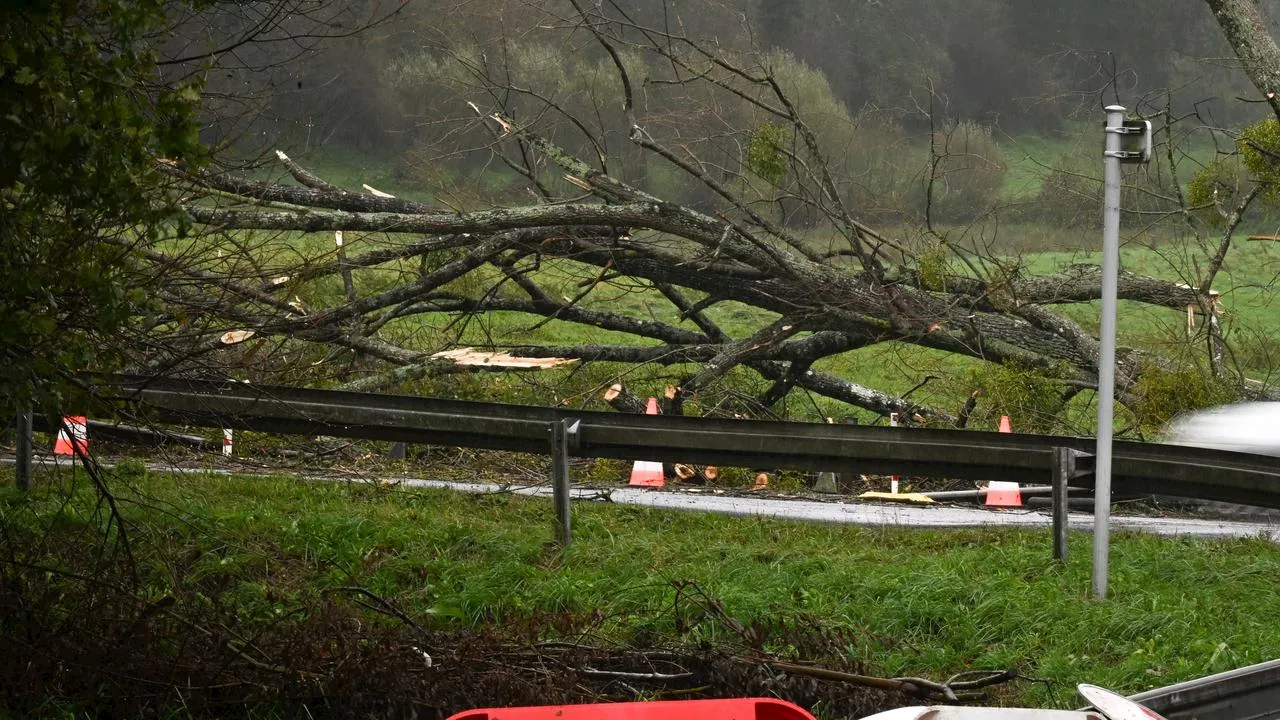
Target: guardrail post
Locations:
point(562, 431)
point(1064, 468)
point(1068, 465)
point(22, 466)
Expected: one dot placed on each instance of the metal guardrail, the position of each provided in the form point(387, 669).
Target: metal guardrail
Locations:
point(1138, 468)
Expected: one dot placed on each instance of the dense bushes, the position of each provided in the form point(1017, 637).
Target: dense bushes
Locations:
point(967, 171)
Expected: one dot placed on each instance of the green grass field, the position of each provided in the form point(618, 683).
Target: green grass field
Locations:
point(901, 601)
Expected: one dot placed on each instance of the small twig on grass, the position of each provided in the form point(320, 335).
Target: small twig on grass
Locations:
point(634, 675)
point(382, 605)
point(914, 686)
point(984, 679)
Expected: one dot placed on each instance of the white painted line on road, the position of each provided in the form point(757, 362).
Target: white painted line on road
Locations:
point(876, 514)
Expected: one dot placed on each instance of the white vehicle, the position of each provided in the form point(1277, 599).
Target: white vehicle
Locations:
point(1252, 427)
point(1108, 706)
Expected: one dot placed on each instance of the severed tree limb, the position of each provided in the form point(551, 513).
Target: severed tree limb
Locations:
point(600, 184)
point(663, 217)
point(403, 293)
point(692, 312)
point(785, 260)
point(1072, 284)
point(404, 373)
point(804, 350)
point(634, 675)
point(731, 356)
point(344, 268)
point(623, 400)
point(324, 195)
point(914, 686)
point(374, 258)
point(868, 398)
point(1064, 327)
point(547, 307)
point(962, 420)
point(304, 176)
point(795, 370)
point(174, 264)
point(829, 386)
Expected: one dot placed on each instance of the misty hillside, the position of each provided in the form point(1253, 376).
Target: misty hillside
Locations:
point(1015, 65)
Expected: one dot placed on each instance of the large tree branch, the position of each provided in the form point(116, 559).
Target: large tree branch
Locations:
point(735, 354)
point(1246, 31)
point(1073, 284)
point(805, 350)
point(544, 308)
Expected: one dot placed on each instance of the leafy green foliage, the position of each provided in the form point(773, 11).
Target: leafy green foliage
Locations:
point(1259, 146)
point(1215, 185)
point(1165, 393)
point(1032, 397)
point(84, 120)
point(932, 262)
point(764, 154)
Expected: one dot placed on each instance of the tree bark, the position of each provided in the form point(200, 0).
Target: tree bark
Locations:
point(1246, 31)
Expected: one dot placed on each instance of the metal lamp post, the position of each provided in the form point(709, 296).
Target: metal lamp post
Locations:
point(1127, 142)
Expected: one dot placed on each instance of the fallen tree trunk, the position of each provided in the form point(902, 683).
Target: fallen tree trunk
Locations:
point(794, 304)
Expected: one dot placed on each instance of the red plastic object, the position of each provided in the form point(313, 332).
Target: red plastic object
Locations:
point(734, 709)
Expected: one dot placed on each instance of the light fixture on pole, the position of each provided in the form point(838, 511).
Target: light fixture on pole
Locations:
point(1128, 141)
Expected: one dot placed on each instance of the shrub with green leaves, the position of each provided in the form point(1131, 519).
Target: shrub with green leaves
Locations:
point(85, 117)
point(1216, 188)
point(1032, 397)
point(1259, 146)
point(764, 153)
point(1163, 394)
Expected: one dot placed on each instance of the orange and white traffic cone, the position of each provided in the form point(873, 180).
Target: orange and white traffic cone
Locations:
point(999, 493)
point(647, 473)
point(77, 441)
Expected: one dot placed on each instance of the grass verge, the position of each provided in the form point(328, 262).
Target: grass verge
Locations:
point(253, 556)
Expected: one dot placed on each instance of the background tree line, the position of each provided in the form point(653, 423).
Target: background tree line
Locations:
point(1023, 66)
point(926, 100)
